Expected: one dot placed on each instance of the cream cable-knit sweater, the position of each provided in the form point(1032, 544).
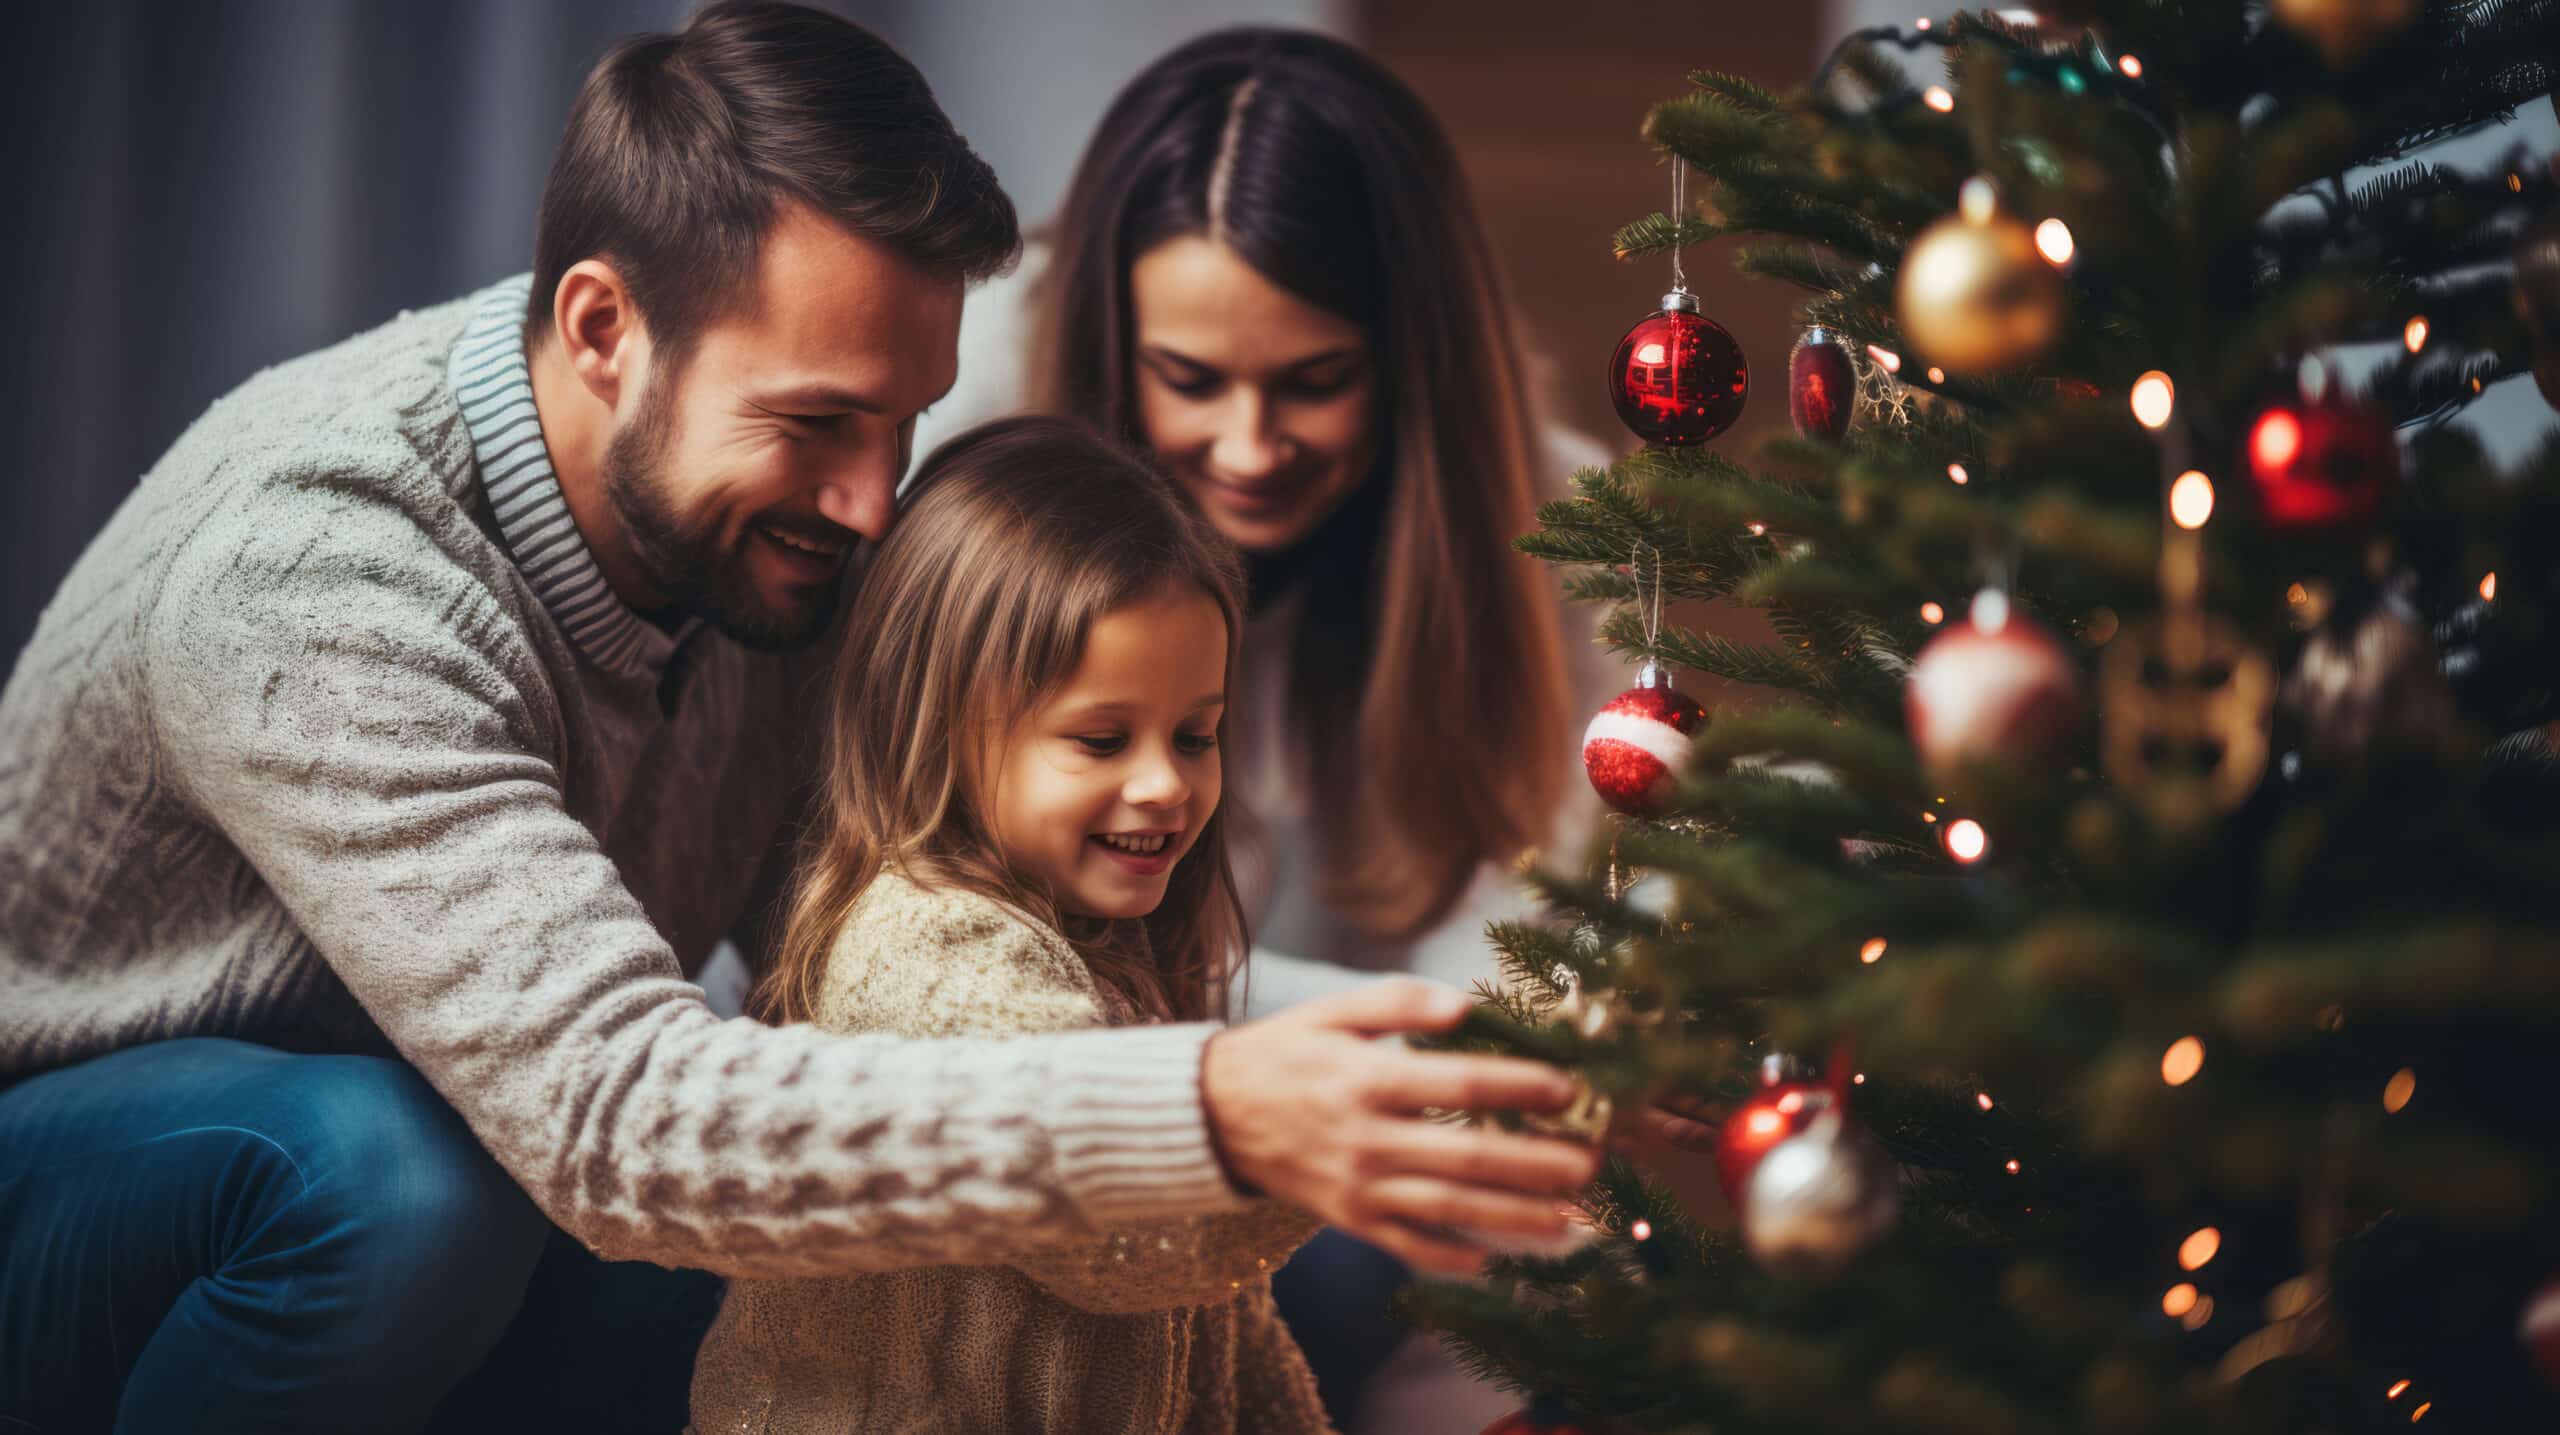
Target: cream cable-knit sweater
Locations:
point(298, 756)
point(1153, 1329)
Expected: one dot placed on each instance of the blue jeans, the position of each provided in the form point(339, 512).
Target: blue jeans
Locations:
point(207, 1235)
point(1336, 1296)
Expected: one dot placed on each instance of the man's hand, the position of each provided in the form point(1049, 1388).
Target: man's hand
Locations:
point(1305, 1107)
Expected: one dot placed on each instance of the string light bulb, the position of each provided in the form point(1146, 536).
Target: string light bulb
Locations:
point(2201, 1245)
point(1937, 97)
point(1887, 358)
point(1937, 375)
point(2153, 399)
point(1982, 1099)
point(2053, 241)
point(2421, 1412)
point(2191, 500)
point(2130, 66)
point(1932, 614)
point(2489, 587)
point(1966, 841)
point(1873, 949)
point(2178, 1300)
point(2398, 1387)
point(2414, 333)
point(1642, 1229)
point(1956, 475)
point(2012, 1166)
point(2397, 1091)
point(2180, 1063)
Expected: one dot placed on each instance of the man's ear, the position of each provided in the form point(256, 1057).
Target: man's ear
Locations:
point(598, 330)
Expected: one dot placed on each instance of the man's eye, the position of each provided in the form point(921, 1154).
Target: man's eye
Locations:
point(1100, 745)
point(823, 423)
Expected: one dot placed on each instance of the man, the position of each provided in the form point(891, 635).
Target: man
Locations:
point(432, 709)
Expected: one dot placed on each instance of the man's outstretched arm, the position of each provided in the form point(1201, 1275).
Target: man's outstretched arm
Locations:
point(376, 739)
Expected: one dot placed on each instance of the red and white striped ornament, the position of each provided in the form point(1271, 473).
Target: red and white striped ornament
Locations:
point(1636, 746)
point(1997, 686)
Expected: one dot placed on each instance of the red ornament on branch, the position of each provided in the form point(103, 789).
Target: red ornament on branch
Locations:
point(1996, 685)
point(1636, 745)
point(1769, 1116)
point(1821, 387)
point(1678, 377)
point(2321, 468)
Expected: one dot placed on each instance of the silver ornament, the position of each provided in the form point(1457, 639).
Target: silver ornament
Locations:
point(2367, 682)
point(1819, 1198)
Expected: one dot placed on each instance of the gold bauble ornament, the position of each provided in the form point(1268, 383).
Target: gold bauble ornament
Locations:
point(1975, 295)
point(2344, 31)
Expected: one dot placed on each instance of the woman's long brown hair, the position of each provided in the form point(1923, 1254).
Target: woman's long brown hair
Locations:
point(1428, 678)
point(1016, 538)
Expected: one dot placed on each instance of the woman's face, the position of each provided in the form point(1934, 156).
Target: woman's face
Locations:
point(1264, 406)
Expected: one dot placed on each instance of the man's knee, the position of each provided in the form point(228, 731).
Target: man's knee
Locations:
point(399, 1194)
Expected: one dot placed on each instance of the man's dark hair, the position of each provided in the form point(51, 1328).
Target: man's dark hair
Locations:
point(680, 148)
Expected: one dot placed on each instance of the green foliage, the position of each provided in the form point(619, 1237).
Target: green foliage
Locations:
point(2388, 910)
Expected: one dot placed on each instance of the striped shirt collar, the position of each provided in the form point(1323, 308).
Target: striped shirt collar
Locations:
point(490, 380)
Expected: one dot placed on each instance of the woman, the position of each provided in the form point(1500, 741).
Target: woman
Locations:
point(1268, 272)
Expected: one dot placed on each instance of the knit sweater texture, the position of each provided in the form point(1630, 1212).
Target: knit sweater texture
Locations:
point(298, 756)
point(1149, 1329)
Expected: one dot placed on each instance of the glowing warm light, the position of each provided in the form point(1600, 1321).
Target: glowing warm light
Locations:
point(2397, 1091)
point(1937, 375)
point(2200, 1246)
point(1891, 361)
point(1932, 614)
point(2012, 1167)
point(2394, 1392)
point(2296, 594)
point(1642, 1230)
point(1871, 951)
point(2131, 65)
point(1990, 613)
point(2191, 499)
point(1758, 530)
point(2414, 333)
point(2180, 1299)
point(1928, 817)
point(1937, 98)
point(2488, 587)
point(2153, 397)
point(1976, 200)
point(1957, 475)
point(1858, 1080)
point(2276, 439)
point(2475, 384)
point(1966, 840)
point(1982, 1099)
point(2180, 1063)
point(2053, 241)
point(1920, 24)
point(2515, 182)
point(2421, 1412)
point(1651, 354)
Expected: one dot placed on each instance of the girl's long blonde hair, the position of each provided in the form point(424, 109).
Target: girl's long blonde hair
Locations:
point(1016, 538)
point(1427, 682)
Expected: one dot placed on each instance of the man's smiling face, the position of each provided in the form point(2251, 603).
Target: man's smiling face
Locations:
point(750, 468)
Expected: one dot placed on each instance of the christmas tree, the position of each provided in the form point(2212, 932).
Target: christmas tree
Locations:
point(2124, 955)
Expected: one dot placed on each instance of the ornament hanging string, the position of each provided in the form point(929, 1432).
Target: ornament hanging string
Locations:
point(1679, 221)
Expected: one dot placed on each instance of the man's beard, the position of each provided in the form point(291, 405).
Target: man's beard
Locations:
point(685, 560)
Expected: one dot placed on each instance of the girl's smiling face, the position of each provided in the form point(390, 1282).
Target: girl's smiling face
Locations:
point(1102, 789)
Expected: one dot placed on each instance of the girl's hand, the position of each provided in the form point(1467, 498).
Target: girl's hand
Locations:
point(1306, 1107)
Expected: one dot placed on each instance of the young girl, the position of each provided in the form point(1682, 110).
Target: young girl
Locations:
point(1021, 832)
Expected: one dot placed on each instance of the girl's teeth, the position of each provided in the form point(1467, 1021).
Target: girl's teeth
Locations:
point(1142, 846)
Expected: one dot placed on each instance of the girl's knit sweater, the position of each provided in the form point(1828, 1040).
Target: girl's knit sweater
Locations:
point(1166, 1327)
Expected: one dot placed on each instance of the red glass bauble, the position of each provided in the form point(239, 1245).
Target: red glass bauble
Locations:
point(1821, 388)
point(1678, 377)
point(1636, 746)
point(1771, 1115)
point(2004, 689)
point(2321, 468)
